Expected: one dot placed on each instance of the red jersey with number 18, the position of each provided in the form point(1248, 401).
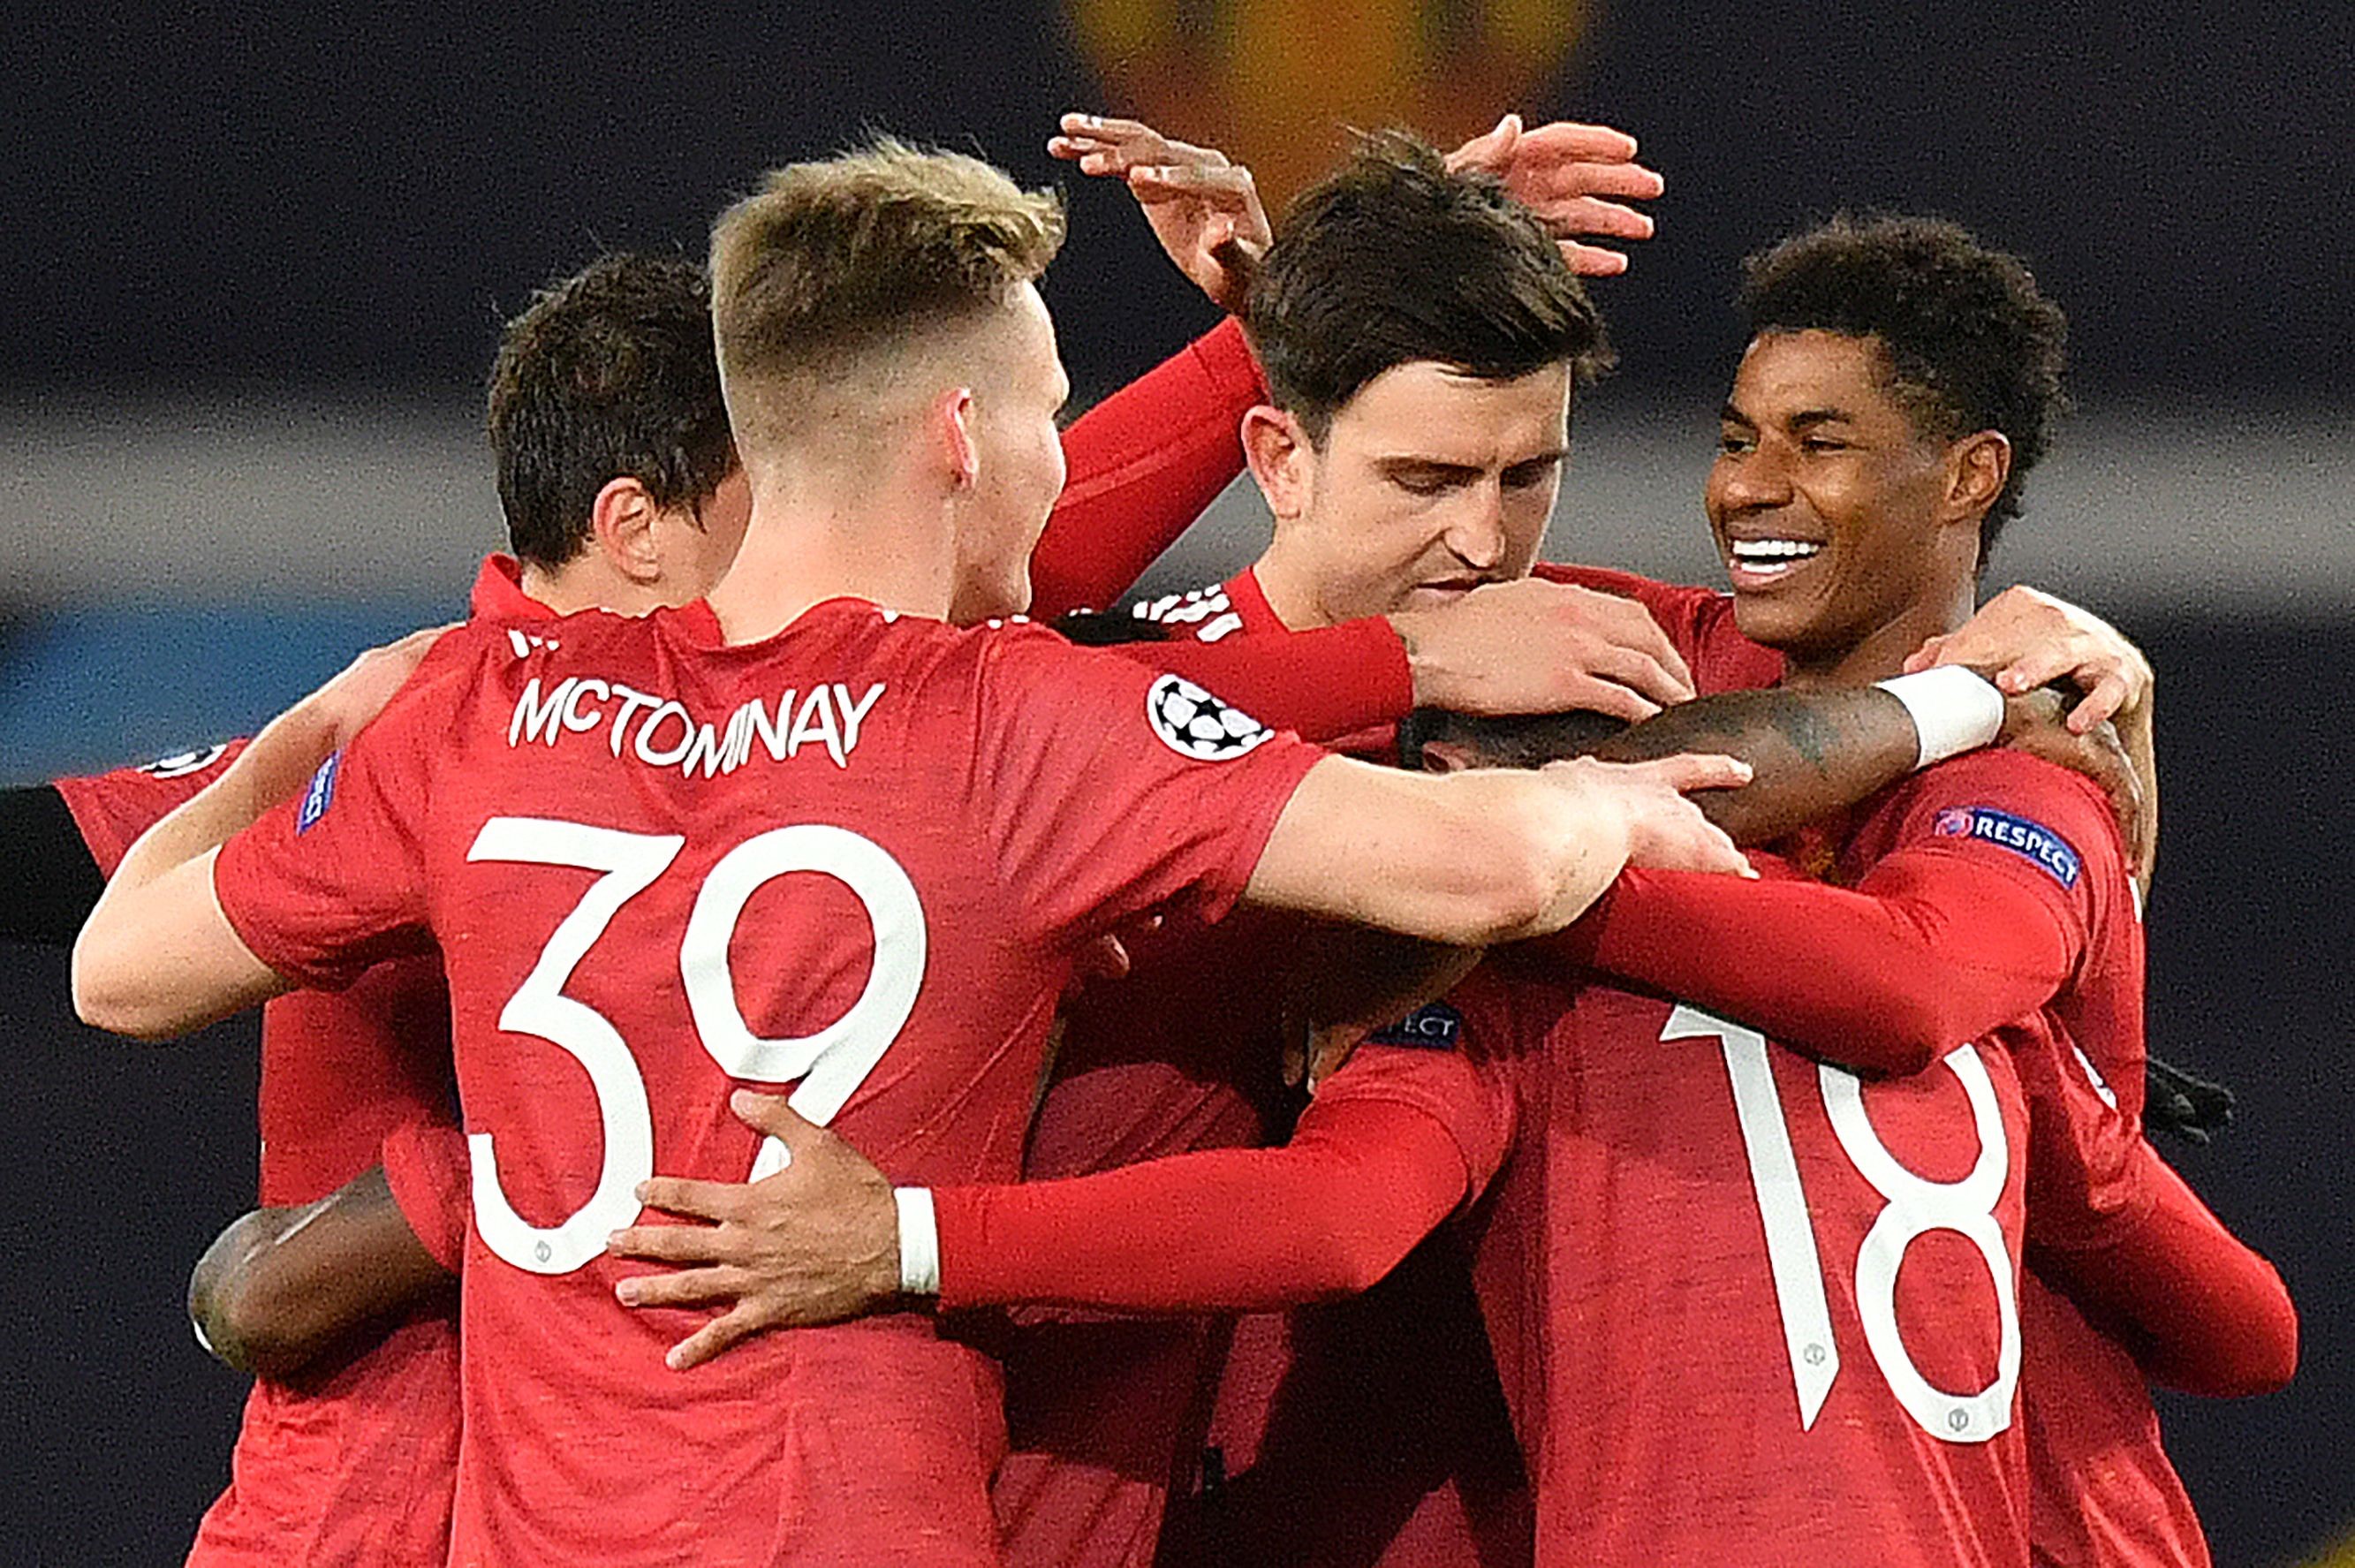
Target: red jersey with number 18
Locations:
point(857, 857)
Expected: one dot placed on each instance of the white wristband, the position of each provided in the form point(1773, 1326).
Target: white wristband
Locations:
point(1955, 711)
point(920, 1242)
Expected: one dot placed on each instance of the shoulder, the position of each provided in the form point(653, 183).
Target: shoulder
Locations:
point(2023, 806)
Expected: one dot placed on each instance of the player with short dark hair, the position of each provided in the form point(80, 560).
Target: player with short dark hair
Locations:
point(1449, 270)
point(607, 373)
point(1734, 1293)
point(979, 802)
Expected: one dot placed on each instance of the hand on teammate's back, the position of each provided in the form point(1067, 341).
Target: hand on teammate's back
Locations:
point(1534, 646)
point(1664, 829)
point(359, 690)
point(1203, 207)
point(816, 1242)
point(1564, 173)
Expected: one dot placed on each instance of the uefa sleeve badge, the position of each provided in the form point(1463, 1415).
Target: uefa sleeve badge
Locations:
point(1193, 723)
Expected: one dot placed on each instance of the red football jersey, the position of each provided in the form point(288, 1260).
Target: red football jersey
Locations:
point(357, 1469)
point(2106, 1494)
point(1750, 1309)
point(855, 857)
point(1108, 1417)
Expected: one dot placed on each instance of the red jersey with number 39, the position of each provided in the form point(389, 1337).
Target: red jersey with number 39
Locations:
point(857, 858)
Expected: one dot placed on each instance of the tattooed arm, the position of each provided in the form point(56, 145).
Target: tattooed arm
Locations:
point(1811, 753)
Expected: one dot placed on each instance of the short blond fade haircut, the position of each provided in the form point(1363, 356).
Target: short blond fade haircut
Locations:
point(823, 279)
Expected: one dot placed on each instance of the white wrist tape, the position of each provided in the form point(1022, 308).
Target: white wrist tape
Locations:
point(1955, 711)
point(920, 1242)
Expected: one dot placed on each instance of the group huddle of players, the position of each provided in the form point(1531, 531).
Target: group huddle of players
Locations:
point(1300, 1074)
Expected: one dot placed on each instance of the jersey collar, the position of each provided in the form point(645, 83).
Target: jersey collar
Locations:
point(498, 592)
point(1248, 603)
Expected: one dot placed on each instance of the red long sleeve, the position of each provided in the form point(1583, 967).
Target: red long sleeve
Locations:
point(2199, 1311)
point(1144, 463)
point(1366, 1175)
point(2115, 1229)
point(1323, 685)
point(1928, 952)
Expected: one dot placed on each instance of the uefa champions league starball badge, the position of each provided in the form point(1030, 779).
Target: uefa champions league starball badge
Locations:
point(1193, 723)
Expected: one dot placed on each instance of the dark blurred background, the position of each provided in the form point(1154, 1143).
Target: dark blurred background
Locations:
point(259, 254)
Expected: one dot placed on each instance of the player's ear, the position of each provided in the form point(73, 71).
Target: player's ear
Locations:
point(1978, 466)
point(1279, 453)
point(951, 423)
point(1445, 757)
point(623, 522)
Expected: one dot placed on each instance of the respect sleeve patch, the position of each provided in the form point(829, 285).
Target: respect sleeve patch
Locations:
point(320, 796)
point(2031, 840)
point(1435, 1026)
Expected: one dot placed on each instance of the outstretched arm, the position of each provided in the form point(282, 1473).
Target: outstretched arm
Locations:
point(1391, 1146)
point(159, 957)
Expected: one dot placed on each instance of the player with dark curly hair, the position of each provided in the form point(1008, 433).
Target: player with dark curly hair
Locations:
point(1969, 343)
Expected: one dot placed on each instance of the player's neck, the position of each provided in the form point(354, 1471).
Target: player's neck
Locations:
point(810, 542)
point(587, 583)
point(1289, 589)
point(1882, 652)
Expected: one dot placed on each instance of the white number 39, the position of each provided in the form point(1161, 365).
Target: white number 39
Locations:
point(830, 1064)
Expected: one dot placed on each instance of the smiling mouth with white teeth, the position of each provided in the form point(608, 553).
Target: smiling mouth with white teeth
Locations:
point(1758, 561)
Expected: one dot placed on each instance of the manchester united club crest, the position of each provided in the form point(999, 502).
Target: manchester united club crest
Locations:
point(1273, 82)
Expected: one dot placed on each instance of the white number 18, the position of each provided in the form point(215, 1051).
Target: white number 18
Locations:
point(1915, 1207)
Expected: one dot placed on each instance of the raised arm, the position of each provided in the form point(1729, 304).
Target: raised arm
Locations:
point(1144, 463)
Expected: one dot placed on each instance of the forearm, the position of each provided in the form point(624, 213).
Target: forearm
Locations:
point(1330, 1213)
point(282, 1287)
point(279, 761)
point(1469, 859)
point(1144, 463)
point(1810, 753)
point(2199, 1311)
point(49, 881)
point(157, 957)
point(1322, 685)
point(1885, 980)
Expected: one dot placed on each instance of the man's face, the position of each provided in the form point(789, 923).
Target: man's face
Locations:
point(1825, 499)
point(1429, 483)
point(1020, 457)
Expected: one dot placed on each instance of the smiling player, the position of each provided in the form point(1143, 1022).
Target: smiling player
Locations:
point(892, 381)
